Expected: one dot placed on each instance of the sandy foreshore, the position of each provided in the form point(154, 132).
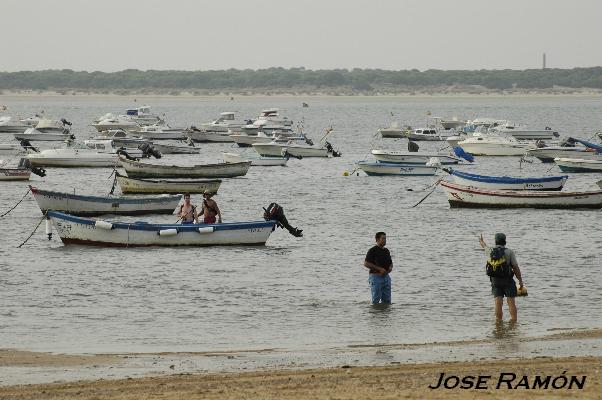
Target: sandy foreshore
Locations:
point(410, 381)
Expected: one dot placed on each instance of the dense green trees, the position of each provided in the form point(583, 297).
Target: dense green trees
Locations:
point(357, 79)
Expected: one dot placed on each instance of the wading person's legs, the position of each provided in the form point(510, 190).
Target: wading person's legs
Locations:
point(376, 286)
point(386, 294)
point(512, 307)
point(499, 302)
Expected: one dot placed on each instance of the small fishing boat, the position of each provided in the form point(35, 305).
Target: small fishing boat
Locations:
point(148, 186)
point(569, 148)
point(11, 149)
point(31, 134)
point(408, 157)
point(160, 132)
point(578, 165)
point(491, 145)
point(76, 204)
point(453, 123)
point(14, 174)
point(175, 149)
point(136, 169)
point(466, 196)
point(382, 168)
point(394, 131)
point(77, 230)
point(202, 136)
point(72, 157)
point(430, 134)
point(256, 160)
point(507, 182)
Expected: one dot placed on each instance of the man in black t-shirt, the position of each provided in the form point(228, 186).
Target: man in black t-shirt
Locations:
point(378, 261)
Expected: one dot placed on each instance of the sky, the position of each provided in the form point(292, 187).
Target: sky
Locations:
point(112, 35)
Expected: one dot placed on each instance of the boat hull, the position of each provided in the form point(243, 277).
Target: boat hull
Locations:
point(169, 149)
point(509, 183)
point(77, 230)
point(464, 196)
point(98, 160)
point(14, 174)
point(210, 137)
point(145, 186)
point(42, 137)
point(255, 161)
point(146, 170)
point(392, 132)
point(380, 169)
point(578, 165)
point(276, 149)
point(547, 155)
point(484, 149)
point(400, 157)
point(95, 205)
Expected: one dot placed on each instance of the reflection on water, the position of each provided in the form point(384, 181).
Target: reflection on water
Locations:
point(309, 292)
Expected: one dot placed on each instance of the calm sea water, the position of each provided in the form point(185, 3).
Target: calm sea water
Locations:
point(308, 293)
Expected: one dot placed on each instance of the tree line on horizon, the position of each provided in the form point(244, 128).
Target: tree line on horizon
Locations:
point(357, 79)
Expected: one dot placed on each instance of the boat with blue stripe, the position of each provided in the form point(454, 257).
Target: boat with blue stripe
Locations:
point(382, 168)
point(86, 231)
point(507, 182)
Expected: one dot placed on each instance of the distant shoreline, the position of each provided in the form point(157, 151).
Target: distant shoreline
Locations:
point(287, 93)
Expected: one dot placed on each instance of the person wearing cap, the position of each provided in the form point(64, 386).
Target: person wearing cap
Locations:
point(210, 209)
point(188, 212)
point(504, 286)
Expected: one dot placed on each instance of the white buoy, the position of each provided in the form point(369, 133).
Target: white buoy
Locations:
point(48, 228)
point(207, 229)
point(168, 232)
point(103, 225)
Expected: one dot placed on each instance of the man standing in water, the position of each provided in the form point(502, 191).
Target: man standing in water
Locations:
point(210, 209)
point(187, 212)
point(501, 268)
point(378, 261)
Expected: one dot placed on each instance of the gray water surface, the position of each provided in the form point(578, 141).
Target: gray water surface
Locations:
point(308, 293)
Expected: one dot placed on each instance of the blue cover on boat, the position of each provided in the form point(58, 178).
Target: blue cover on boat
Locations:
point(460, 152)
point(506, 179)
point(596, 147)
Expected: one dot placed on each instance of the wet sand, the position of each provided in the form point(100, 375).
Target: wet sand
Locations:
point(392, 382)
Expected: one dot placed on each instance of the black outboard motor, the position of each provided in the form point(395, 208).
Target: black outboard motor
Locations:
point(331, 150)
point(26, 144)
point(148, 150)
point(413, 146)
point(65, 122)
point(275, 212)
point(309, 141)
point(568, 142)
point(26, 164)
point(127, 155)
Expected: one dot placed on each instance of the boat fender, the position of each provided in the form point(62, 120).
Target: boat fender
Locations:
point(48, 228)
point(103, 225)
point(168, 232)
point(206, 229)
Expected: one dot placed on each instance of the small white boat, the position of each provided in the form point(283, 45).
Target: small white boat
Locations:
point(76, 204)
point(48, 125)
point(72, 157)
point(508, 182)
point(31, 134)
point(394, 131)
point(578, 165)
point(121, 138)
point(548, 154)
point(224, 123)
point(142, 115)
point(430, 134)
point(453, 123)
point(490, 145)
point(7, 125)
point(201, 136)
point(109, 146)
point(11, 149)
point(296, 149)
point(408, 157)
point(136, 169)
point(112, 122)
point(465, 196)
point(78, 230)
point(523, 132)
point(146, 186)
point(243, 139)
point(175, 149)
point(14, 174)
point(255, 159)
point(381, 168)
point(160, 132)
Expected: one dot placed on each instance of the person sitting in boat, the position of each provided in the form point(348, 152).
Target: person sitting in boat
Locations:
point(210, 209)
point(188, 213)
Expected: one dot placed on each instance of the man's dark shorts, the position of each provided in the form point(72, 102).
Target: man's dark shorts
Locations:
point(504, 290)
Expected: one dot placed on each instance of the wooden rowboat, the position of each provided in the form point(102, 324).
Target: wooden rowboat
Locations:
point(131, 185)
point(507, 182)
point(136, 169)
point(14, 174)
point(78, 230)
point(465, 196)
point(381, 168)
point(99, 205)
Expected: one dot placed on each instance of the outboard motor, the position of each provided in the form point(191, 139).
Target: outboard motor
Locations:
point(65, 122)
point(568, 142)
point(26, 144)
point(124, 153)
point(309, 141)
point(331, 150)
point(540, 144)
point(288, 155)
point(413, 146)
point(26, 164)
point(148, 150)
point(275, 212)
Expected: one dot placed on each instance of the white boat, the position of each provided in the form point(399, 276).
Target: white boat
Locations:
point(77, 204)
point(160, 132)
point(548, 154)
point(72, 157)
point(78, 230)
point(31, 134)
point(453, 123)
point(7, 125)
point(14, 174)
point(522, 132)
point(464, 196)
point(276, 149)
point(112, 122)
point(11, 149)
point(243, 139)
point(142, 115)
point(145, 186)
point(175, 149)
point(507, 182)
point(381, 168)
point(224, 123)
point(255, 159)
point(408, 157)
point(430, 134)
point(121, 138)
point(490, 145)
point(201, 136)
point(109, 146)
point(578, 165)
point(48, 125)
point(136, 169)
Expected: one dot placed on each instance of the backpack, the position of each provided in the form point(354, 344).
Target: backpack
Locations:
point(498, 266)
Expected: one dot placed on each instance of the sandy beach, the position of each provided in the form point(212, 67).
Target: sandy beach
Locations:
point(392, 382)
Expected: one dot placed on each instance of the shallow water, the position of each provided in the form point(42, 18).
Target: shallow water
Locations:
point(308, 293)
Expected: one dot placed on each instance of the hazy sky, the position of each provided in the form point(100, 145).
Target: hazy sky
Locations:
point(111, 35)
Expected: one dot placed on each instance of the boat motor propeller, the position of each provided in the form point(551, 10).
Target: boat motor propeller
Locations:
point(275, 212)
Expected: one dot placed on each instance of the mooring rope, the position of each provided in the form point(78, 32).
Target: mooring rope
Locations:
point(34, 230)
point(429, 193)
point(15, 206)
